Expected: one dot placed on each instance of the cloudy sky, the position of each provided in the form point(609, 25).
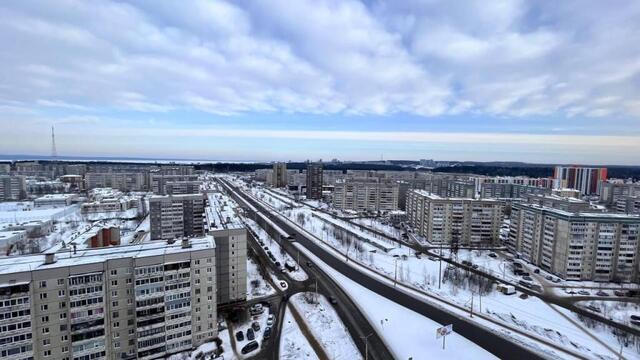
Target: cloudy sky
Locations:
point(278, 80)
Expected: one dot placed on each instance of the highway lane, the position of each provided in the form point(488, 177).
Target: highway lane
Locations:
point(355, 322)
point(496, 344)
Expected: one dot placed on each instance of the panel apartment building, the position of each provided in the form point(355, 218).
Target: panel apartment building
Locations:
point(576, 245)
point(585, 179)
point(176, 216)
point(131, 302)
point(462, 221)
point(174, 184)
point(131, 181)
point(231, 247)
point(510, 191)
point(366, 194)
point(12, 187)
point(611, 192)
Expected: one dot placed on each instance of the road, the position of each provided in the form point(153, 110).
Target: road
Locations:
point(353, 319)
point(487, 339)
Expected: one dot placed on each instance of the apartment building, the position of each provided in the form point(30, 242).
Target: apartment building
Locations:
point(366, 194)
point(174, 184)
point(12, 187)
point(142, 301)
point(231, 247)
point(585, 179)
point(279, 176)
point(610, 192)
point(558, 202)
point(55, 200)
point(628, 205)
point(462, 221)
point(510, 191)
point(314, 181)
point(5, 168)
point(576, 245)
point(124, 181)
point(176, 216)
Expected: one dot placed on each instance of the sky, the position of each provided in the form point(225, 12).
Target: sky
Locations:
point(533, 81)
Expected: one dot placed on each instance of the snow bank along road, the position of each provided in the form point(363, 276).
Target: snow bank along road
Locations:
point(485, 338)
point(355, 321)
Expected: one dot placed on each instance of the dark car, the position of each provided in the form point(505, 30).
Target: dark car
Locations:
point(493, 255)
point(602, 293)
point(255, 326)
point(333, 300)
point(267, 332)
point(619, 293)
point(239, 336)
point(278, 264)
point(250, 334)
point(536, 271)
point(309, 264)
point(250, 347)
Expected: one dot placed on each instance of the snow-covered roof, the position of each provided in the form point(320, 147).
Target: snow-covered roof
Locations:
point(16, 264)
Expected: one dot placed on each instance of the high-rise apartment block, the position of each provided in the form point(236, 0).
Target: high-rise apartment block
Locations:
point(279, 176)
point(314, 181)
point(366, 194)
point(174, 184)
point(585, 179)
point(576, 245)
point(462, 221)
point(231, 247)
point(132, 181)
point(610, 192)
point(510, 191)
point(176, 216)
point(129, 302)
point(12, 187)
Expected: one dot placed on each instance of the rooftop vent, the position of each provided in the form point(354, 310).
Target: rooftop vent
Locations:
point(185, 243)
point(49, 258)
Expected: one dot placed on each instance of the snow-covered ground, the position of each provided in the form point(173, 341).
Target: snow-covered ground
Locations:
point(280, 254)
point(619, 311)
point(406, 333)
point(293, 344)
point(531, 314)
point(257, 286)
point(244, 326)
point(380, 226)
point(15, 213)
point(326, 325)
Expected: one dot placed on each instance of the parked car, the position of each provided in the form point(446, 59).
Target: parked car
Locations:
point(619, 293)
point(239, 336)
point(267, 333)
point(527, 278)
point(250, 334)
point(493, 255)
point(255, 326)
point(549, 277)
point(256, 309)
point(594, 308)
point(250, 347)
point(556, 280)
point(309, 264)
point(602, 293)
point(466, 262)
point(270, 320)
point(333, 300)
point(584, 292)
point(536, 271)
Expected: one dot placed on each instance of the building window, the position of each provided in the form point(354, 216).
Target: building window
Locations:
point(46, 353)
point(45, 319)
point(60, 282)
point(43, 295)
point(43, 284)
point(114, 272)
point(46, 342)
point(45, 330)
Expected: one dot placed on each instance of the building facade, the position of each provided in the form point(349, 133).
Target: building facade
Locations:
point(279, 175)
point(366, 194)
point(585, 179)
point(610, 192)
point(576, 245)
point(462, 221)
point(509, 191)
point(176, 216)
point(314, 181)
point(12, 187)
point(123, 181)
point(130, 302)
point(174, 184)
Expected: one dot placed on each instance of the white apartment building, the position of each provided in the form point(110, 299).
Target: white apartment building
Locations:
point(462, 221)
point(117, 180)
point(12, 187)
point(366, 194)
point(176, 216)
point(131, 302)
point(576, 245)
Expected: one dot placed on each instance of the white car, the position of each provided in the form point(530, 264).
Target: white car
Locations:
point(270, 320)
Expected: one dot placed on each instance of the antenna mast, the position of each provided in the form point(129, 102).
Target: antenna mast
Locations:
point(54, 152)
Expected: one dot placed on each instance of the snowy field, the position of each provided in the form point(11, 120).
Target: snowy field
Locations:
point(326, 325)
point(257, 286)
point(530, 314)
point(406, 333)
point(619, 311)
point(293, 344)
point(379, 226)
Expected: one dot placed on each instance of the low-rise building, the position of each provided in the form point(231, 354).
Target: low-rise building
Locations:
point(54, 200)
point(576, 245)
point(10, 237)
point(461, 221)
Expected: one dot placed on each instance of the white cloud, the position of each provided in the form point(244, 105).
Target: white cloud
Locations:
point(504, 58)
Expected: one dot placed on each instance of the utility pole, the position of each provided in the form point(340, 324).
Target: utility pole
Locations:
point(395, 276)
point(440, 269)
point(366, 346)
point(471, 309)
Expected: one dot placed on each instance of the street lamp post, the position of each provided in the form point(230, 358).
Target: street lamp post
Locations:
point(366, 346)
